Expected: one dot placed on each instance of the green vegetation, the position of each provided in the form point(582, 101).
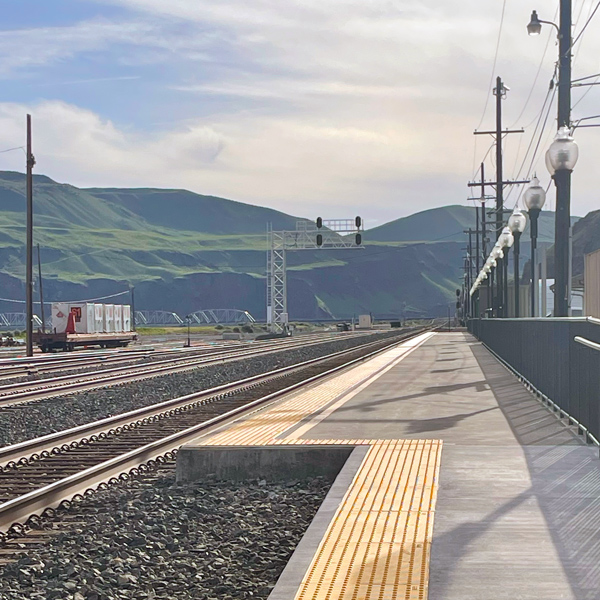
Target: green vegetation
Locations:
point(447, 223)
point(185, 252)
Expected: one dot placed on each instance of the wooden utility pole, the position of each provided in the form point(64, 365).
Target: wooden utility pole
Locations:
point(29, 251)
point(562, 177)
point(41, 286)
point(499, 92)
point(500, 295)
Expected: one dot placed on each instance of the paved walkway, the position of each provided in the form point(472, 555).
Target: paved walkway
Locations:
point(518, 495)
point(518, 509)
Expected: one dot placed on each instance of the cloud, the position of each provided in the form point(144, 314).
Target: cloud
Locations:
point(300, 105)
point(77, 146)
point(44, 45)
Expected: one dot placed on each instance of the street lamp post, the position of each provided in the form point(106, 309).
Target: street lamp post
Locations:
point(507, 240)
point(562, 256)
point(517, 223)
point(534, 199)
point(561, 159)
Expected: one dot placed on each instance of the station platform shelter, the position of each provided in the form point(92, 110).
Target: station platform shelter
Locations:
point(458, 483)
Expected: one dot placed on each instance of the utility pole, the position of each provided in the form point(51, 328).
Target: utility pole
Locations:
point(29, 251)
point(41, 286)
point(132, 291)
point(500, 93)
point(562, 178)
point(477, 262)
point(498, 295)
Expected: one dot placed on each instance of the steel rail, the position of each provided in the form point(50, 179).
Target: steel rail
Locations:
point(37, 501)
point(585, 342)
point(59, 386)
point(54, 442)
point(44, 364)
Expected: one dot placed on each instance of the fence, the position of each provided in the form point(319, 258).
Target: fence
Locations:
point(546, 353)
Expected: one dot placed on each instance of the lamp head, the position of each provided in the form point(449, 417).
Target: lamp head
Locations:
point(563, 152)
point(507, 237)
point(549, 166)
point(517, 222)
point(534, 26)
point(535, 195)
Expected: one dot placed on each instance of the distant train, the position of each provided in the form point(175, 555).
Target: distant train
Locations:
point(85, 324)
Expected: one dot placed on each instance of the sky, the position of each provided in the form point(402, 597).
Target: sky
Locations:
point(325, 108)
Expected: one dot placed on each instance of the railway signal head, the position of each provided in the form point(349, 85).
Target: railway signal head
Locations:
point(319, 239)
point(358, 222)
point(319, 222)
point(358, 239)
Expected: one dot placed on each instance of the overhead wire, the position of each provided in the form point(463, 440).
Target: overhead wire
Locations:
point(581, 32)
point(535, 79)
point(487, 99)
point(67, 301)
point(11, 149)
point(546, 106)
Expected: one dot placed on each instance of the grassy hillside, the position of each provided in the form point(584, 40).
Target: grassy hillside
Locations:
point(448, 223)
point(59, 205)
point(185, 251)
point(183, 210)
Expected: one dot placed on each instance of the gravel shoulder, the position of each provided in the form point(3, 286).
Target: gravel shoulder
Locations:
point(151, 539)
point(31, 420)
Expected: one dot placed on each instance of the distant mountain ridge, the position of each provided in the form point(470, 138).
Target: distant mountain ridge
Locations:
point(185, 251)
point(448, 223)
point(184, 210)
point(137, 209)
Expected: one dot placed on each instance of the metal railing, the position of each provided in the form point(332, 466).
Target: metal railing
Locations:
point(559, 358)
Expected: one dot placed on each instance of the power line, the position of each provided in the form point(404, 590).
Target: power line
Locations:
point(548, 106)
point(11, 149)
point(67, 301)
point(586, 24)
point(586, 92)
point(545, 106)
point(538, 72)
point(487, 99)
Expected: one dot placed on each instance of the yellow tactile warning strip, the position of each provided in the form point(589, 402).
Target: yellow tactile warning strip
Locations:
point(378, 543)
point(261, 426)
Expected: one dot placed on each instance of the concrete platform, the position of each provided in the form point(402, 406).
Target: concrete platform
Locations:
point(518, 494)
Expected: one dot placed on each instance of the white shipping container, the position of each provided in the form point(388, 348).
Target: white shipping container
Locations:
point(364, 321)
point(60, 312)
point(99, 317)
point(118, 318)
point(126, 317)
point(84, 316)
point(88, 319)
point(109, 318)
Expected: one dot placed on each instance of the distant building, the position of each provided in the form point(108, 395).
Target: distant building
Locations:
point(591, 292)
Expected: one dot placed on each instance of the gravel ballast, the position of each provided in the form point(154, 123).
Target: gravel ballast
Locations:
point(31, 420)
point(152, 539)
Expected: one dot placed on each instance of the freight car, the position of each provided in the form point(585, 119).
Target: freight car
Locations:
point(83, 324)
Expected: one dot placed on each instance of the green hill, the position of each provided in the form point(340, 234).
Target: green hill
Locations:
point(448, 223)
point(60, 205)
point(184, 251)
point(183, 210)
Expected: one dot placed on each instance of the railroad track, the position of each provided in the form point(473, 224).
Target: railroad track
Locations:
point(21, 367)
point(28, 391)
point(39, 474)
point(24, 366)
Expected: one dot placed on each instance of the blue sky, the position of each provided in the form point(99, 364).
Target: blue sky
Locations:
point(331, 107)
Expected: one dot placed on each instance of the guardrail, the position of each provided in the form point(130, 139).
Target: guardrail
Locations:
point(559, 358)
